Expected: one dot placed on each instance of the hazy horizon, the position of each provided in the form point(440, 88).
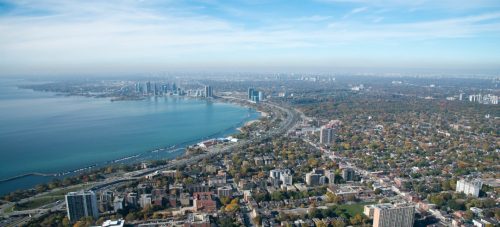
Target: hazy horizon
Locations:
point(338, 36)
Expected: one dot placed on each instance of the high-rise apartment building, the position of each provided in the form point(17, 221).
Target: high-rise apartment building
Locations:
point(327, 135)
point(390, 215)
point(327, 132)
point(348, 174)
point(81, 204)
point(469, 187)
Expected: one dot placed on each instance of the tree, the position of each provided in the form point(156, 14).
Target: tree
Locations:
point(130, 216)
point(65, 221)
point(456, 204)
point(321, 224)
point(351, 197)
point(232, 207)
point(332, 198)
point(314, 213)
point(225, 200)
point(357, 219)
point(157, 215)
point(277, 196)
point(257, 220)
point(41, 188)
point(468, 215)
point(338, 223)
point(84, 222)
point(226, 222)
point(100, 221)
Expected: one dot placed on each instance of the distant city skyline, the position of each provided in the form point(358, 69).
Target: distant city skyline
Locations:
point(78, 37)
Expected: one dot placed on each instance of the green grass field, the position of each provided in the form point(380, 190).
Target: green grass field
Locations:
point(48, 198)
point(353, 209)
point(38, 202)
point(65, 191)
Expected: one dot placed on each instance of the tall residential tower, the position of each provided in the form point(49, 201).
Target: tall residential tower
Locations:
point(81, 204)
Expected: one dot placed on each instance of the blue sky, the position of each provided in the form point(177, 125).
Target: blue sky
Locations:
point(395, 36)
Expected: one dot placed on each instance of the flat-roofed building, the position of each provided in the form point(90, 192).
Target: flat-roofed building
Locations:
point(224, 191)
point(469, 186)
point(81, 204)
point(390, 215)
point(118, 203)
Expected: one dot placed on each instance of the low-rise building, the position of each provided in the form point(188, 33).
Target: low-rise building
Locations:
point(197, 220)
point(224, 191)
point(185, 199)
point(113, 223)
point(204, 202)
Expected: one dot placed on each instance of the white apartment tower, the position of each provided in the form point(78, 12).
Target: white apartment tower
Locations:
point(469, 187)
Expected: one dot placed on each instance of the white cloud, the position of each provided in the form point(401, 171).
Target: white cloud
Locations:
point(355, 11)
point(424, 3)
point(377, 19)
point(359, 10)
point(133, 32)
point(314, 18)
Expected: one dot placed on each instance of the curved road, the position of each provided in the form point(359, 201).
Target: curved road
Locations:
point(289, 117)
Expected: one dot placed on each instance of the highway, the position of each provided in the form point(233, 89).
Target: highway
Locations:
point(289, 116)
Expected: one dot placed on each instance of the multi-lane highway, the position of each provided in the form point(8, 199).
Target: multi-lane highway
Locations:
point(289, 117)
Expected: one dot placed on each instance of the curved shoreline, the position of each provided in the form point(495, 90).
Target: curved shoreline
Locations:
point(167, 152)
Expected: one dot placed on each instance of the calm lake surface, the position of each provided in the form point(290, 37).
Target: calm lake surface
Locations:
point(48, 133)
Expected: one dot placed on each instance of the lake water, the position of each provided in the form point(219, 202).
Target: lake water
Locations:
point(49, 133)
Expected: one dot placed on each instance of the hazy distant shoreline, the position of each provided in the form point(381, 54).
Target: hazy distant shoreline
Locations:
point(90, 109)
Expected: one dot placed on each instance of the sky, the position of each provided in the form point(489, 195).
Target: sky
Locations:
point(94, 36)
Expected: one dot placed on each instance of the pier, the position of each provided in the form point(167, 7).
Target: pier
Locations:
point(29, 174)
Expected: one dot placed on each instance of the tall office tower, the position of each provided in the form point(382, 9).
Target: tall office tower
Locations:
point(250, 93)
point(164, 88)
point(389, 215)
point(155, 89)
point(208, 92)
point(81, 204)
point(348, 174)
point(494, 99)
point(261, 95)
point(174, 88)
point(138, 88)
point(148, 88)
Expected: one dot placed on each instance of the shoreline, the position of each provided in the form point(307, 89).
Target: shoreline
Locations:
point(168, 152)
